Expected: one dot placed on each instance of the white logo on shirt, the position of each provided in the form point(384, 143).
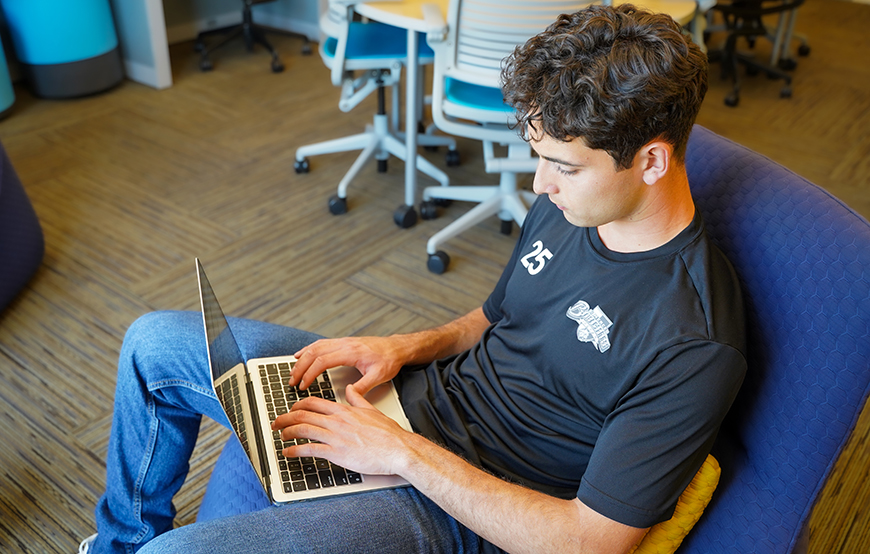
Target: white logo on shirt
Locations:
point(539, 255)
point(592, 325)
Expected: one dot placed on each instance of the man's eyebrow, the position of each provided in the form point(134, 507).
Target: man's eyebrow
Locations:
point(560, 162)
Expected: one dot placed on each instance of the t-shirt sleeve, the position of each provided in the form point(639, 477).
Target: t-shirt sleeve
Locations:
point(656, 439)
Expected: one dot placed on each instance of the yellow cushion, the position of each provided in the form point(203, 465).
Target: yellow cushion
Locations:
point(667, 536)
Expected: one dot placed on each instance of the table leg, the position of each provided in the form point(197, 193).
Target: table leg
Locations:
point(411, 117)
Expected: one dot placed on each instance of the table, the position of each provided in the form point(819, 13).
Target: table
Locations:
point(406, 14)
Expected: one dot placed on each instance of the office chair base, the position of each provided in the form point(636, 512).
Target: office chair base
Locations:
point(376, 142)
point(509, 206)
point(252, 33)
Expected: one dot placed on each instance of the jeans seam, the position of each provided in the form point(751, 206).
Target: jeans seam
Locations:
point(143, 470)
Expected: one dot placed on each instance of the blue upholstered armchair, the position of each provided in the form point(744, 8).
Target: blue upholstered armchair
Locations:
point(804, 261)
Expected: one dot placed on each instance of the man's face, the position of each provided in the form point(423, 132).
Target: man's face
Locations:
point(584, 183)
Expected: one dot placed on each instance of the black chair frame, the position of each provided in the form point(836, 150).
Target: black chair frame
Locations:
point(252, 34)
point(744, 18)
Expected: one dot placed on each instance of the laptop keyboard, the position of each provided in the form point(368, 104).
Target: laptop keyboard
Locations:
point(303, 473)
point(230, 398)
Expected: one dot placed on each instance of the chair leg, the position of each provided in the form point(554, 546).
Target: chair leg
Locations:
point(368, 152)
point(334, 146)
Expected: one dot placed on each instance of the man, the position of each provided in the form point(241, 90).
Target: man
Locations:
point(567, 414)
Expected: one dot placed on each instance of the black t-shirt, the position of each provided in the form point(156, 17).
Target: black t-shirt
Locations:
point(603, 376)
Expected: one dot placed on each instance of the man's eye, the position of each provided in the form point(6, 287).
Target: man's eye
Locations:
point(564, 171)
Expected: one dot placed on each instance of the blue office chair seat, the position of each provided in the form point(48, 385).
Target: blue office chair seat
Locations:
point(375, 40)
point(474, 96)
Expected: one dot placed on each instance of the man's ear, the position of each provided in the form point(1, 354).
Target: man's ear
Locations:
point(655, 158)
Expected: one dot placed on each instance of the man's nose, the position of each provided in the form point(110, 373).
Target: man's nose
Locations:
point(542, 182)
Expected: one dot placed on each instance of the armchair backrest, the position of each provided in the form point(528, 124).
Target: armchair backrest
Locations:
point(803, 259)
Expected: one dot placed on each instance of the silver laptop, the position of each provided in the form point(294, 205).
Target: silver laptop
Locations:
point(254, 392)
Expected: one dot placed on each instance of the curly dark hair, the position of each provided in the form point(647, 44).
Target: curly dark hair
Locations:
point(615, 77)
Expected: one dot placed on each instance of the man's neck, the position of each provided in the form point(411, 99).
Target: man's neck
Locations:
point(667, 210)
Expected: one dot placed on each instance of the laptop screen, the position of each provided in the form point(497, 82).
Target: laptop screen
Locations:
point(223, 350)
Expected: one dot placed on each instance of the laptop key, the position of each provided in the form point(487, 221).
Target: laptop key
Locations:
point(312, 482)
point(326, 479)
point(340, 476)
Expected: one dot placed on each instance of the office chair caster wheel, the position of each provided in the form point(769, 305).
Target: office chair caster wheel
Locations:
point(804, 50)
point(301, 166)
point(382, 166)
point(277, 66)
point(205, 65)
point(506, 227)
point(452, 158)
point(787, 64)
point(438, 262)
point(337, 205)
point(443, 202)
point(428, 209)
point(732, 100)
point(405, 216)
point(785, 92)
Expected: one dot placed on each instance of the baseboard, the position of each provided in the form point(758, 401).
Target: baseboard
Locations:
point(189, 30)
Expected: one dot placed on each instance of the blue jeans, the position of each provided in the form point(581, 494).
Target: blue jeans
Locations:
point(162, 392)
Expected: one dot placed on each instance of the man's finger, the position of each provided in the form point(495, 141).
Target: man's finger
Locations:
point(355, 399)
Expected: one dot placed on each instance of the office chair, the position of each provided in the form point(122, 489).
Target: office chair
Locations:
point(803, 259)
point(467, 101)
point(250, 32)
point(366, 57)
point(744, 18)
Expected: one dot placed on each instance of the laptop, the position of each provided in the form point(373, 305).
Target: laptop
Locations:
point(254, 392)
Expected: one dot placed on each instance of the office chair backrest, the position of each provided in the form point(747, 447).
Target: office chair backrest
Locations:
point(486, 32)
point(803, 259)
point(470, 46)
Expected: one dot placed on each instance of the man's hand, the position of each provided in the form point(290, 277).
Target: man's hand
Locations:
point(379, 359)
point(358, 437)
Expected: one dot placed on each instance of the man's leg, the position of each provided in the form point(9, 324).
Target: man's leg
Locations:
point(163, 387)
point(394, 521)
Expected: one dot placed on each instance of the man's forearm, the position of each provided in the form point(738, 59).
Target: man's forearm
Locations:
point(452, 338)
point(512, 517)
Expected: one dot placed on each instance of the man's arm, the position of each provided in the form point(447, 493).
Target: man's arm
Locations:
point(510, 516)
point(379, 359)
